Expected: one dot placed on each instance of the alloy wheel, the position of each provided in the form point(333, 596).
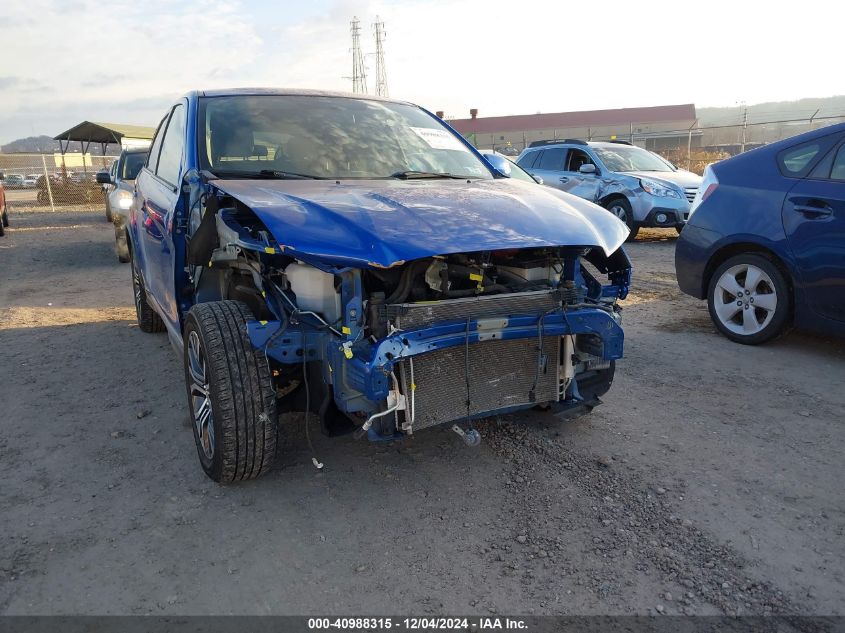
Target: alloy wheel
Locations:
point(137, 289)
point(201, 407)
point(619, 211)
point(745, 299)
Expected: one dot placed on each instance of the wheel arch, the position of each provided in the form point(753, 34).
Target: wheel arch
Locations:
point(613, 195)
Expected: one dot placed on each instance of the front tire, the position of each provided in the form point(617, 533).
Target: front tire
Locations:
point(231, 399)
point(621, 208)
point(120, 245)
point(749, 299)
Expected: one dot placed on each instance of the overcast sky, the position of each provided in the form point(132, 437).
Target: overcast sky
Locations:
point(64, 61)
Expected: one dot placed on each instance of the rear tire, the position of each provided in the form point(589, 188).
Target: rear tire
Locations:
point(749, 299)
point(6, 215)
point(148, 319)
point(231, 400)
point(621, 208)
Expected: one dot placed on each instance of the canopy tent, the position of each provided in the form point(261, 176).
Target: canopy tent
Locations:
point(104, 133)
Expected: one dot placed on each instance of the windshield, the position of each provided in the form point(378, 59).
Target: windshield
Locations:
point(327, 137)
point(629, 158)
point(132, 164)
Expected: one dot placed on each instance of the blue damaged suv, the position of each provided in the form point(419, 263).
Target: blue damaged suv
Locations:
point(765, 244)
point(355, 257)
point(637, 186)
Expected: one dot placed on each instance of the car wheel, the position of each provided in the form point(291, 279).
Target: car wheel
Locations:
point(5, 215)
point(230, 393)
point(109, 217)
point(148, 319)
point(749, 299)
point(679, 228)
point(621, 208)
point(121, 246)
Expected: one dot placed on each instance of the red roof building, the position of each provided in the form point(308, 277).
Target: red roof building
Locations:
point(652, 126)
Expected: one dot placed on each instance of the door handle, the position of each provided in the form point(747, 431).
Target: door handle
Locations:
point(564, 179)
point(814, 211)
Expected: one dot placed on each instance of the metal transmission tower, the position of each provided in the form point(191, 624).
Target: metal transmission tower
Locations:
point(359, 72)
point(381, 74)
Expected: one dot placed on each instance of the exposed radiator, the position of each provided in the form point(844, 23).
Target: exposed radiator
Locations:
point(501, 374)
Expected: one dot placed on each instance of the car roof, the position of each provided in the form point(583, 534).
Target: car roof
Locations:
point(601, 144)
point(227, 92)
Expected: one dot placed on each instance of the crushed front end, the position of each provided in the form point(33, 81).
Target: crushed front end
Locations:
point(440, 339)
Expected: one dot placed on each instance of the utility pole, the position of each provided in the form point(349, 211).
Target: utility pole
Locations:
point(689, 145)
point(381, 74)
point(359, 73)
point(744, 126)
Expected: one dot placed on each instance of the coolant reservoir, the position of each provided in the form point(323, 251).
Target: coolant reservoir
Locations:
point(314, 290)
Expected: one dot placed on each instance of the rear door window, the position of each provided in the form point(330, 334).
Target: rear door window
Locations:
point(155, 148)
point(552, 159)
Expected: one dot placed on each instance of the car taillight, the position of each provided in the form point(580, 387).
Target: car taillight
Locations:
point(710, 189)
point(708, 185)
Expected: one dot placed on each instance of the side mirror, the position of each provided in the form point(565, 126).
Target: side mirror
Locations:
point(500, 164)
point(103, 177)
point(538, 180)
point(588, 168)
point(2, 175)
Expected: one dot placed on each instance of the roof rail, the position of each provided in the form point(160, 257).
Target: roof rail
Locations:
point(620, 142)
point(557, 141)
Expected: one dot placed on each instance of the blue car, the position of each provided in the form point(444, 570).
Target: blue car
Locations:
point(765, 244)
point(355, 257)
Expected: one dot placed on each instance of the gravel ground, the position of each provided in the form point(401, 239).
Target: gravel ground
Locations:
point(709, 482)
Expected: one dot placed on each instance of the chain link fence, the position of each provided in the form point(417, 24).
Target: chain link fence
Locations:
point(691, 148)
point(47, 182)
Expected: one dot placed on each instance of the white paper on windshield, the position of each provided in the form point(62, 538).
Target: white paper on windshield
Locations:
point(439, 139)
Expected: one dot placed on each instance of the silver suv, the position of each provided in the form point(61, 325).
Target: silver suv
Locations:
point(638, 186)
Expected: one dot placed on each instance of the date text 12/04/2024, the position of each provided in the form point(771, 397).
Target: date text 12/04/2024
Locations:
point(418, 624)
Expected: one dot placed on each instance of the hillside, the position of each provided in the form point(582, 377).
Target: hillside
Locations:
point(773, 111)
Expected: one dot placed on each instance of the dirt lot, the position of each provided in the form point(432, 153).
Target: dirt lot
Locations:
point(709, 482)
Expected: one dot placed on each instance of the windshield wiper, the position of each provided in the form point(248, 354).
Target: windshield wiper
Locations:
point(411, 174)
point(264, 173)
point(287, 175)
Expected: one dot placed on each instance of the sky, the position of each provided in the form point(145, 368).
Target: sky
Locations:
point(65, 61)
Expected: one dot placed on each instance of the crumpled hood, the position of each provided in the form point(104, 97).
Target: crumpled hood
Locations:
point(684, 179)
point(385, 222)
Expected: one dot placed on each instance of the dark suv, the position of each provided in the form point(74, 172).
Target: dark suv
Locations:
point(637, 186)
